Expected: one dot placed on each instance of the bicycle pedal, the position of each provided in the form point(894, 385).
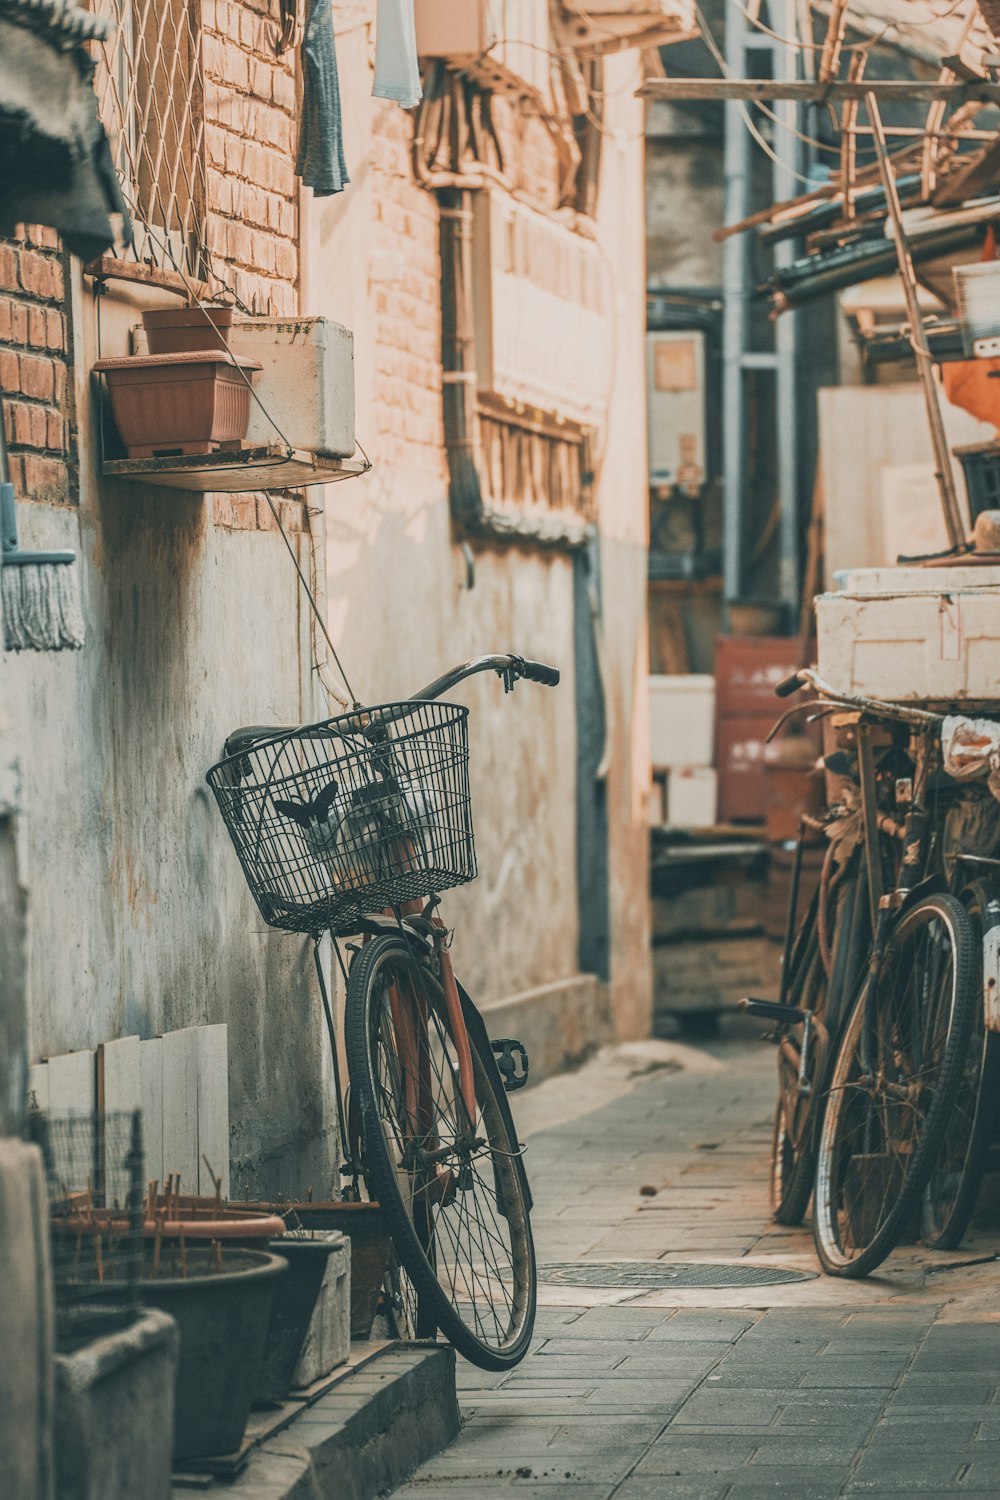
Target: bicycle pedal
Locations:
point(512, 1061)
point(770, 1010)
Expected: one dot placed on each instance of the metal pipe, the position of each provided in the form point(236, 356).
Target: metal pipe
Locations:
point(734, 322)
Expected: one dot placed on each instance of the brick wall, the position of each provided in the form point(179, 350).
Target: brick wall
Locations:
point(405, 283)
point(34, 360)
point(250, 140)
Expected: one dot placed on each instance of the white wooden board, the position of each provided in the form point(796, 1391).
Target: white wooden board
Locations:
point(180, 1107)
point(151, 1091)
point(71, 1084)
point(119, 1093)
point(38, 1086)
point(213, 1107)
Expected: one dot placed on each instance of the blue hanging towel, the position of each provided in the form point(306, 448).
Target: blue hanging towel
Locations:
point(320, 161)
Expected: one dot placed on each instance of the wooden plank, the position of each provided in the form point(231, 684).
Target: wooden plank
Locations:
point(262, 468)
point(767, 90)
point(71, 1084)
point(180, 1106)
point(38, 1086)
point(119, 1092)
point(151, 1085)
point(213, 1107)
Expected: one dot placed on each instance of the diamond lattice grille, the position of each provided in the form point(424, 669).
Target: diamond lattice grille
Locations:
point(150, 94)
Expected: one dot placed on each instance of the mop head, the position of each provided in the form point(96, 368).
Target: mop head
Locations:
point(41, 607)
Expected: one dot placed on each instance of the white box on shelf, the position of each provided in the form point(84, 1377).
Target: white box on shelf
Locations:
point(306, 385)
point(682, 720)
point(915, 635)
point(692, 797)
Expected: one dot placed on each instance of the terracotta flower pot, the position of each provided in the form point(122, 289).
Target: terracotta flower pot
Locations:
point(179, 403)
point(180, 330)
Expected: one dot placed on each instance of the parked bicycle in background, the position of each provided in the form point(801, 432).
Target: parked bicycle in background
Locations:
point(887, 1066)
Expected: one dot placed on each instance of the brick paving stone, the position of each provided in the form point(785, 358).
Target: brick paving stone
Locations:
point(867, 1395)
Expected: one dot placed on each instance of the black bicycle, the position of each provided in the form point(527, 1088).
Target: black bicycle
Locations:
point(353, 827)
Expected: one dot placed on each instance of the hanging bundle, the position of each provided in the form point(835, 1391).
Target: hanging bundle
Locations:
point(40, 590)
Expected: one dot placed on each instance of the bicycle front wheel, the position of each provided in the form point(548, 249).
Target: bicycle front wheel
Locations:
point(953, 1186)
point(893, 1087)
point(451, 1188)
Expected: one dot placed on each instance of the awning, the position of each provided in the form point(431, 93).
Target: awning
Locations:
point(55, 162)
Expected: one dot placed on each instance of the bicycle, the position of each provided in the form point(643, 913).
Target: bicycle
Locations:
point(880, 1105)
point(353, 827)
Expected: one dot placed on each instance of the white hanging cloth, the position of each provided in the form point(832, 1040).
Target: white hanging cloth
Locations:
point(397, 75)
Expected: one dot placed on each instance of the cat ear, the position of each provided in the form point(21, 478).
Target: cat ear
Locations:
point(297, 811)
point(323, 801)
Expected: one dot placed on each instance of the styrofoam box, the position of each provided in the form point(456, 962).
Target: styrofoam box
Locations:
point(692, 797)
point(913, 634)
point(306, 384)
point(682, 720)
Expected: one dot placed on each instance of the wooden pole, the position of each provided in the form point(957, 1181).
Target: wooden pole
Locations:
point(925, 364)
point(767, 90)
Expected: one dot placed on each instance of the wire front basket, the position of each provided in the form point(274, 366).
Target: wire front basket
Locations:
point(352, 815)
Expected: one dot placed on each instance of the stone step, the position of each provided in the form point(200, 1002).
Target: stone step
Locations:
point(382, 1418)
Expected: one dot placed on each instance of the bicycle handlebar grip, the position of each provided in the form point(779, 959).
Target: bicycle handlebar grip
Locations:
point(789, 685)
point(537, 671)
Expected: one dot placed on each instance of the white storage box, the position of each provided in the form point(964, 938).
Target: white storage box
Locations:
point(913, 634)
point(692, 797)
point(682, 721)
point(306, 383)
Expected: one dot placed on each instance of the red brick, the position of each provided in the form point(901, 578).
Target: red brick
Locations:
point(55, 430)
point(8, 268)
point(10, 375)
point(55, 331)
point(41, 276)
point(44, 478)
point(37, 377)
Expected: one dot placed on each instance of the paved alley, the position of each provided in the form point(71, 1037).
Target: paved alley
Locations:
point(811, 1388)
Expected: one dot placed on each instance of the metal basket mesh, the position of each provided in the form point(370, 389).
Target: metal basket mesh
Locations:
point(353, 815)
point(94, 1171)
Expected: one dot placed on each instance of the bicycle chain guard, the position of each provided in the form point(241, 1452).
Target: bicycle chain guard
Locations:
point(512, 1060)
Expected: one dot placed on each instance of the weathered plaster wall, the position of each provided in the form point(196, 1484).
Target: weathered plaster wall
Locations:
point(139, 920)
point(399, 603)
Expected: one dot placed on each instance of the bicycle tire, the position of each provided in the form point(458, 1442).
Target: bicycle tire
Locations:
point(797, 1115)
point(793, 1159)
point(893, 1084)
point(953, 1186)
point(469, 1255)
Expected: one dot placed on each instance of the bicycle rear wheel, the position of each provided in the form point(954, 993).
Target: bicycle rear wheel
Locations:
point(451, 1189)
point(953, 1186)
point(893, 1087)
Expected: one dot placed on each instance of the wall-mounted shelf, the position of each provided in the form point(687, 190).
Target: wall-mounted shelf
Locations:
point(267, 467)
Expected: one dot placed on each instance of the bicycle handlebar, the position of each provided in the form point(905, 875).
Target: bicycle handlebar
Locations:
point(877, 707)
point(510, 667)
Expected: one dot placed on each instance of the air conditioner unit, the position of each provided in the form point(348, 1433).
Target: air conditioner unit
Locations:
point(675, 388)
point(543, 334)
point(306, 385)
point(504, 44)
point(595, 26)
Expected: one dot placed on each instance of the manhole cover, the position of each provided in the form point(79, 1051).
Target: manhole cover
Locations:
point(657, 1273)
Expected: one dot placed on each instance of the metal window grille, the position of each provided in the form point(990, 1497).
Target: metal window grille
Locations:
point(150, 91)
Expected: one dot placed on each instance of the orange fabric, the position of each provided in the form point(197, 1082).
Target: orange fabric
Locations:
point(967, 384)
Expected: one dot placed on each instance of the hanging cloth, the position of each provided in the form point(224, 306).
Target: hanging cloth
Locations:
point(397, 75)
point(320, 160)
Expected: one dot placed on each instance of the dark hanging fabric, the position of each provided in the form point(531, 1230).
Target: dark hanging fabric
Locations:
point(55, 162)
point(320, 161)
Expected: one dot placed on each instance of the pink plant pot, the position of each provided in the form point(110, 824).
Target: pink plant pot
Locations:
point(180, 330)
point(166, 404)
